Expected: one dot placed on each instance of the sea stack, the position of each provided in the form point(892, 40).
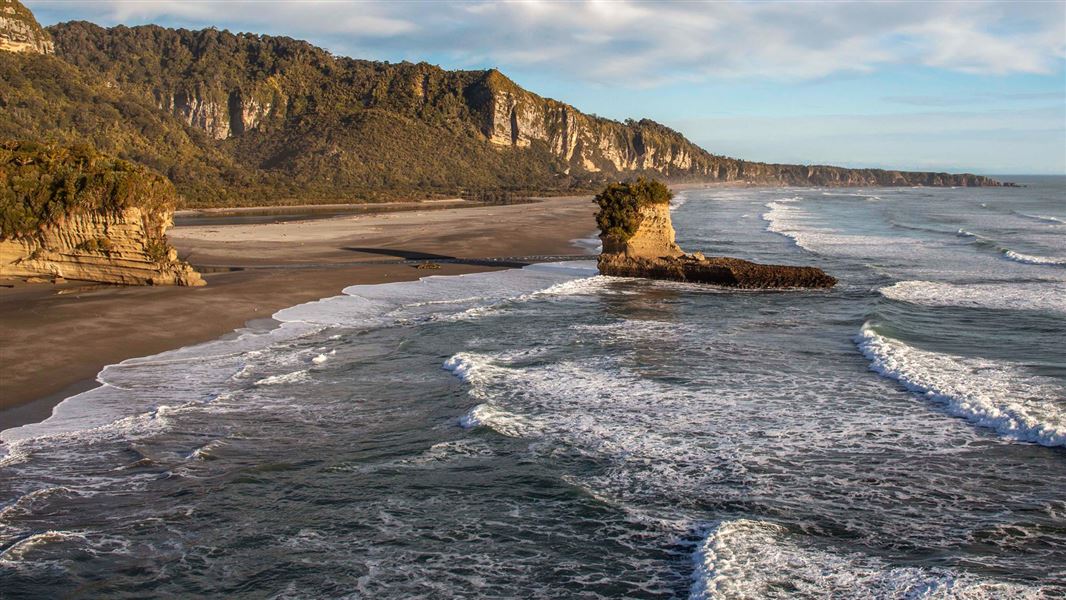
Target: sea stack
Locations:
point(638, 241)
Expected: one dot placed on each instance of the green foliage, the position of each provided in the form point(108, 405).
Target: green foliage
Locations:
point(96, 245)
point(157, 249)
point(42, 183)
point(619, 216)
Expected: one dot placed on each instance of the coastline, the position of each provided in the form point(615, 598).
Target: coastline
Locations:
point(65, 334)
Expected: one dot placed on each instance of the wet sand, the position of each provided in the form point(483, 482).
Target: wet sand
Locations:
point(54, 339)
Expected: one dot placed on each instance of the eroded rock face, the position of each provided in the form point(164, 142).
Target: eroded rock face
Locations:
point(512, 116)
point(652, 253)
point(221, 120)
point(125, 248)
point(20, 31)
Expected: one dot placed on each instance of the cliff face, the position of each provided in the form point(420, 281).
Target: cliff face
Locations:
point(290, 113)
point(20, 31)
point(128, 247)
point(651, 252)
point(510, 116)
point(654, 237)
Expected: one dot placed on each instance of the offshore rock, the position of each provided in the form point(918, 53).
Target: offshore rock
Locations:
point(652, 253)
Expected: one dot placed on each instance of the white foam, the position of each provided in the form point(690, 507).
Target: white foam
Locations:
point(1038, 295)
point(322, 357)
point(987, 393)
point(500, 421)
point(1033, 259)
point(18, 550)
point(753, 559)
point(285, 378)
point(134, 391)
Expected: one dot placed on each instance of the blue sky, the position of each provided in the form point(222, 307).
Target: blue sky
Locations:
point(974, 86)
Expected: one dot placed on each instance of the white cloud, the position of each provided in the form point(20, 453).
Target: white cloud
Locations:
point(643, 44)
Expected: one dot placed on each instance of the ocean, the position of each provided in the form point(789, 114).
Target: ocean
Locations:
point(548, 432)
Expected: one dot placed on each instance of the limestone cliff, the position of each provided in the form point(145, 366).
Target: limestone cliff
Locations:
point(638, 241)
point(288, 113)
point(126, 247)
point(510, 116)
point(20, 31)
point(75, 214)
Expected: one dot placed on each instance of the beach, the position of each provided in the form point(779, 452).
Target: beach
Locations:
point(54, 339)
point(552, 430)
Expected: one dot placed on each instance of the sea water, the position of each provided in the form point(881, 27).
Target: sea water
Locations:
point(548, 432)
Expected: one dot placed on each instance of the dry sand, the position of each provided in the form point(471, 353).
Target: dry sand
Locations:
point(54, 339)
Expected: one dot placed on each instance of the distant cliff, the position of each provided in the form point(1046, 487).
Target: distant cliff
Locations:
point(248, 119)
point(20, 31)
point(75, 214)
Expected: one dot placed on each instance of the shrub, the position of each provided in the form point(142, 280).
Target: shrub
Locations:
point(619, 215)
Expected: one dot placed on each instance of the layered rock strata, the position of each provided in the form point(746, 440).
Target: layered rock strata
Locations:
point(125, 248)
point(652, 253)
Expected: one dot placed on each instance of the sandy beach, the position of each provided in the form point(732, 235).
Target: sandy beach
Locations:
point(54, 339)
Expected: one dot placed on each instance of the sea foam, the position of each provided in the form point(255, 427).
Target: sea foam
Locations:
point(1039, 295)
point(987, 393)
point(754, 559)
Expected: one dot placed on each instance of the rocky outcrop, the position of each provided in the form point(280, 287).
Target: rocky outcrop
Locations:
point(220, 114)
point(71, 212)
point(20, 31)
point(652, 253)
point(127, 248)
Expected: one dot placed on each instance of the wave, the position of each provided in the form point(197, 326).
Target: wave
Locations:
point(987, 393)
point(1028, 259)
point(135, 395)
point(1032, 259)
point(678, 201)
point(754, 559)
point(285, 378)
point(1040, 295)
point(499, 420)
point(1041, 218)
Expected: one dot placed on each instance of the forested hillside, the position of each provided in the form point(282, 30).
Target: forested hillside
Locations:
point(248, 119)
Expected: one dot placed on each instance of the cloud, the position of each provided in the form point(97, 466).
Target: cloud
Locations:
point(641, 44)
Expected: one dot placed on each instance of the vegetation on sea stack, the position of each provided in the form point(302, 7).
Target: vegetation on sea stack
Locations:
point(42, 183)
point(619, 216)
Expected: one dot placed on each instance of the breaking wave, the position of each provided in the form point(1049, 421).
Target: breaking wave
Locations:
point(991, 394)
point(754, 559)
point(1019, 257)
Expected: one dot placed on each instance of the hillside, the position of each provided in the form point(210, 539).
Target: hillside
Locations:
point(248, 119)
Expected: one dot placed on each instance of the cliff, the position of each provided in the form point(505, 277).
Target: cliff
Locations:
point(20, 31)
point(262, 119)
point(75, 214)
point(638, 241)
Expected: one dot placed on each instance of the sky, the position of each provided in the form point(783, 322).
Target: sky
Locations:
point(957, 86)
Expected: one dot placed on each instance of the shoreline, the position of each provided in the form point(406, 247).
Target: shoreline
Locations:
point(66, 334)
